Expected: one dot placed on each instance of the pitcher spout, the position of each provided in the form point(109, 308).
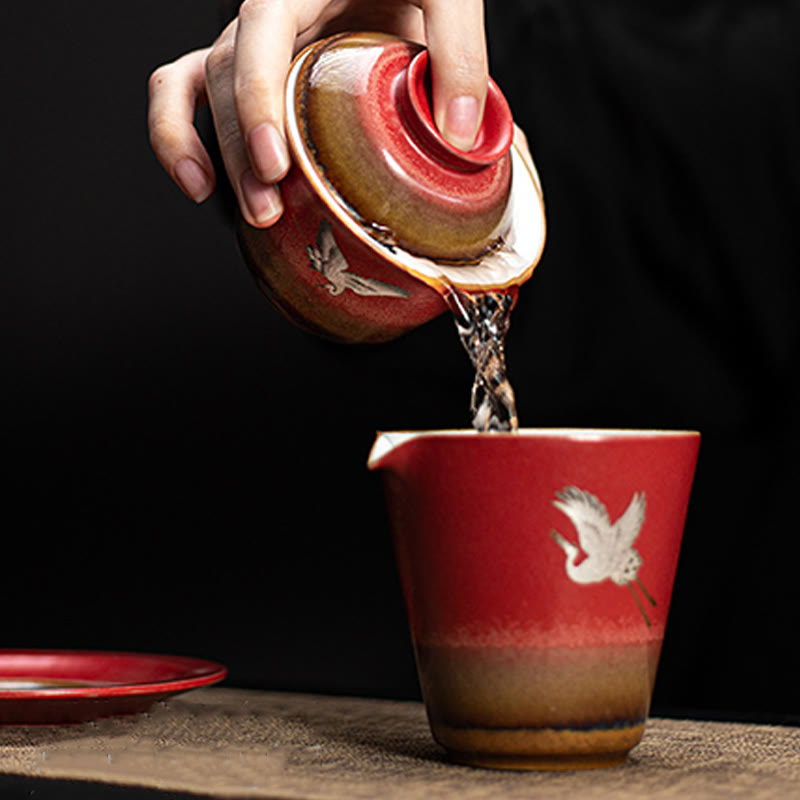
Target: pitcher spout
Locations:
point(384, 449)
point(407, 450)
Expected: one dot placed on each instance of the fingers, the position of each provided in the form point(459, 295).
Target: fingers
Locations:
point(176, 90)
point(259, 201)
point(454, 31)
point(243, 75)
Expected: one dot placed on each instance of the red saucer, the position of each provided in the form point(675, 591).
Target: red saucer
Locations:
point(52, 687)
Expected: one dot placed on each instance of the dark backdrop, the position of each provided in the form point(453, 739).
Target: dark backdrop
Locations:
point(185, 472)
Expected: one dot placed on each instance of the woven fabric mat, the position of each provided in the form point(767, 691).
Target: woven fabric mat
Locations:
point(235, 743)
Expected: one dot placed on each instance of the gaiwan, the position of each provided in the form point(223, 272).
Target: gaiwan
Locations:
point(383, 219)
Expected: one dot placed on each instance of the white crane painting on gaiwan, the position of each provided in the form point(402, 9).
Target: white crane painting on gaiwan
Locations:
point(327, 259)
point(608, 546)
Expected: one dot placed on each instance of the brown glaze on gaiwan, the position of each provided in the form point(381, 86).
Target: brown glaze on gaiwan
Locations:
point(381, 215)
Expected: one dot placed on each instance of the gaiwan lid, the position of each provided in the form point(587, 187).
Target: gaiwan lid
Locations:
point(360, 126)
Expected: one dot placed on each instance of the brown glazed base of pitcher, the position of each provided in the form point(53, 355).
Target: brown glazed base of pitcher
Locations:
point(538, 708)
point(537, 749)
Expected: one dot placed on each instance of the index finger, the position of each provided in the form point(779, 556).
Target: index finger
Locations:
point(454, 31)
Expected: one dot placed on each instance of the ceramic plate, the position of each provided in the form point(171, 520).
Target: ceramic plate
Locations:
point(53, 687)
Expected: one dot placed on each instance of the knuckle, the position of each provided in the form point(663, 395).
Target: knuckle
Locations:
point(228, 135)
point(468, 77)
point(165, 136)
point(248, 86)
point(158, 76)
point(254, 8)
point(219, 60)
point(470, 64)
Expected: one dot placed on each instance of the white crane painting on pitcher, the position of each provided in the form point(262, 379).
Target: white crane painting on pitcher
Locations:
point(607, 546)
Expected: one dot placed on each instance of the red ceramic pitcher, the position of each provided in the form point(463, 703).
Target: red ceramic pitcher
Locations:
point(381, 215)
point(537, 569)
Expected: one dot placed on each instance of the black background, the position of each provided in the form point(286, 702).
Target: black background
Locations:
point(184, 472)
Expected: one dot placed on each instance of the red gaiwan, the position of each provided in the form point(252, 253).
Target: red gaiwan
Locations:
point(381, 215)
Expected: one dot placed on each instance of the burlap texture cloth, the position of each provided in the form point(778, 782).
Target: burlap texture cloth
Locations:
point(235, 743)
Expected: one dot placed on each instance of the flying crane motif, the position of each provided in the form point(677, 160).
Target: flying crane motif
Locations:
point(327, 259)
point(608, 546)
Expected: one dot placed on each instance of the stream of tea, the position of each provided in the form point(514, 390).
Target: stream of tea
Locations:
point(482, 321)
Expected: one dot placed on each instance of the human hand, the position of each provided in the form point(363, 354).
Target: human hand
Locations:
point(242, 77)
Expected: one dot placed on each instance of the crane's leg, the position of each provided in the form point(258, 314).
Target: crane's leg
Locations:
point(639, 605)
point(645, 592)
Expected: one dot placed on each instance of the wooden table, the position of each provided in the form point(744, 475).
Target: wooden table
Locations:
point(225, 742)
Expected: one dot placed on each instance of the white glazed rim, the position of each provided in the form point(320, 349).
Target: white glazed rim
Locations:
point(385, 441)
point(512, 265)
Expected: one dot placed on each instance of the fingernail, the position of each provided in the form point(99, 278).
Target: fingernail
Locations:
point(268, 152)
point(193, 180)
point(262, 199)
point(461, 122)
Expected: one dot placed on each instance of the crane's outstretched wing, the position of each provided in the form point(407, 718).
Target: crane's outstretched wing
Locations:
point(326, 257)
point(588, 515)
point(326, 244)
point(627, 527)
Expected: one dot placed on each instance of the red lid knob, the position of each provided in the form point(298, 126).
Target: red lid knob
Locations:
point(494, 136)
